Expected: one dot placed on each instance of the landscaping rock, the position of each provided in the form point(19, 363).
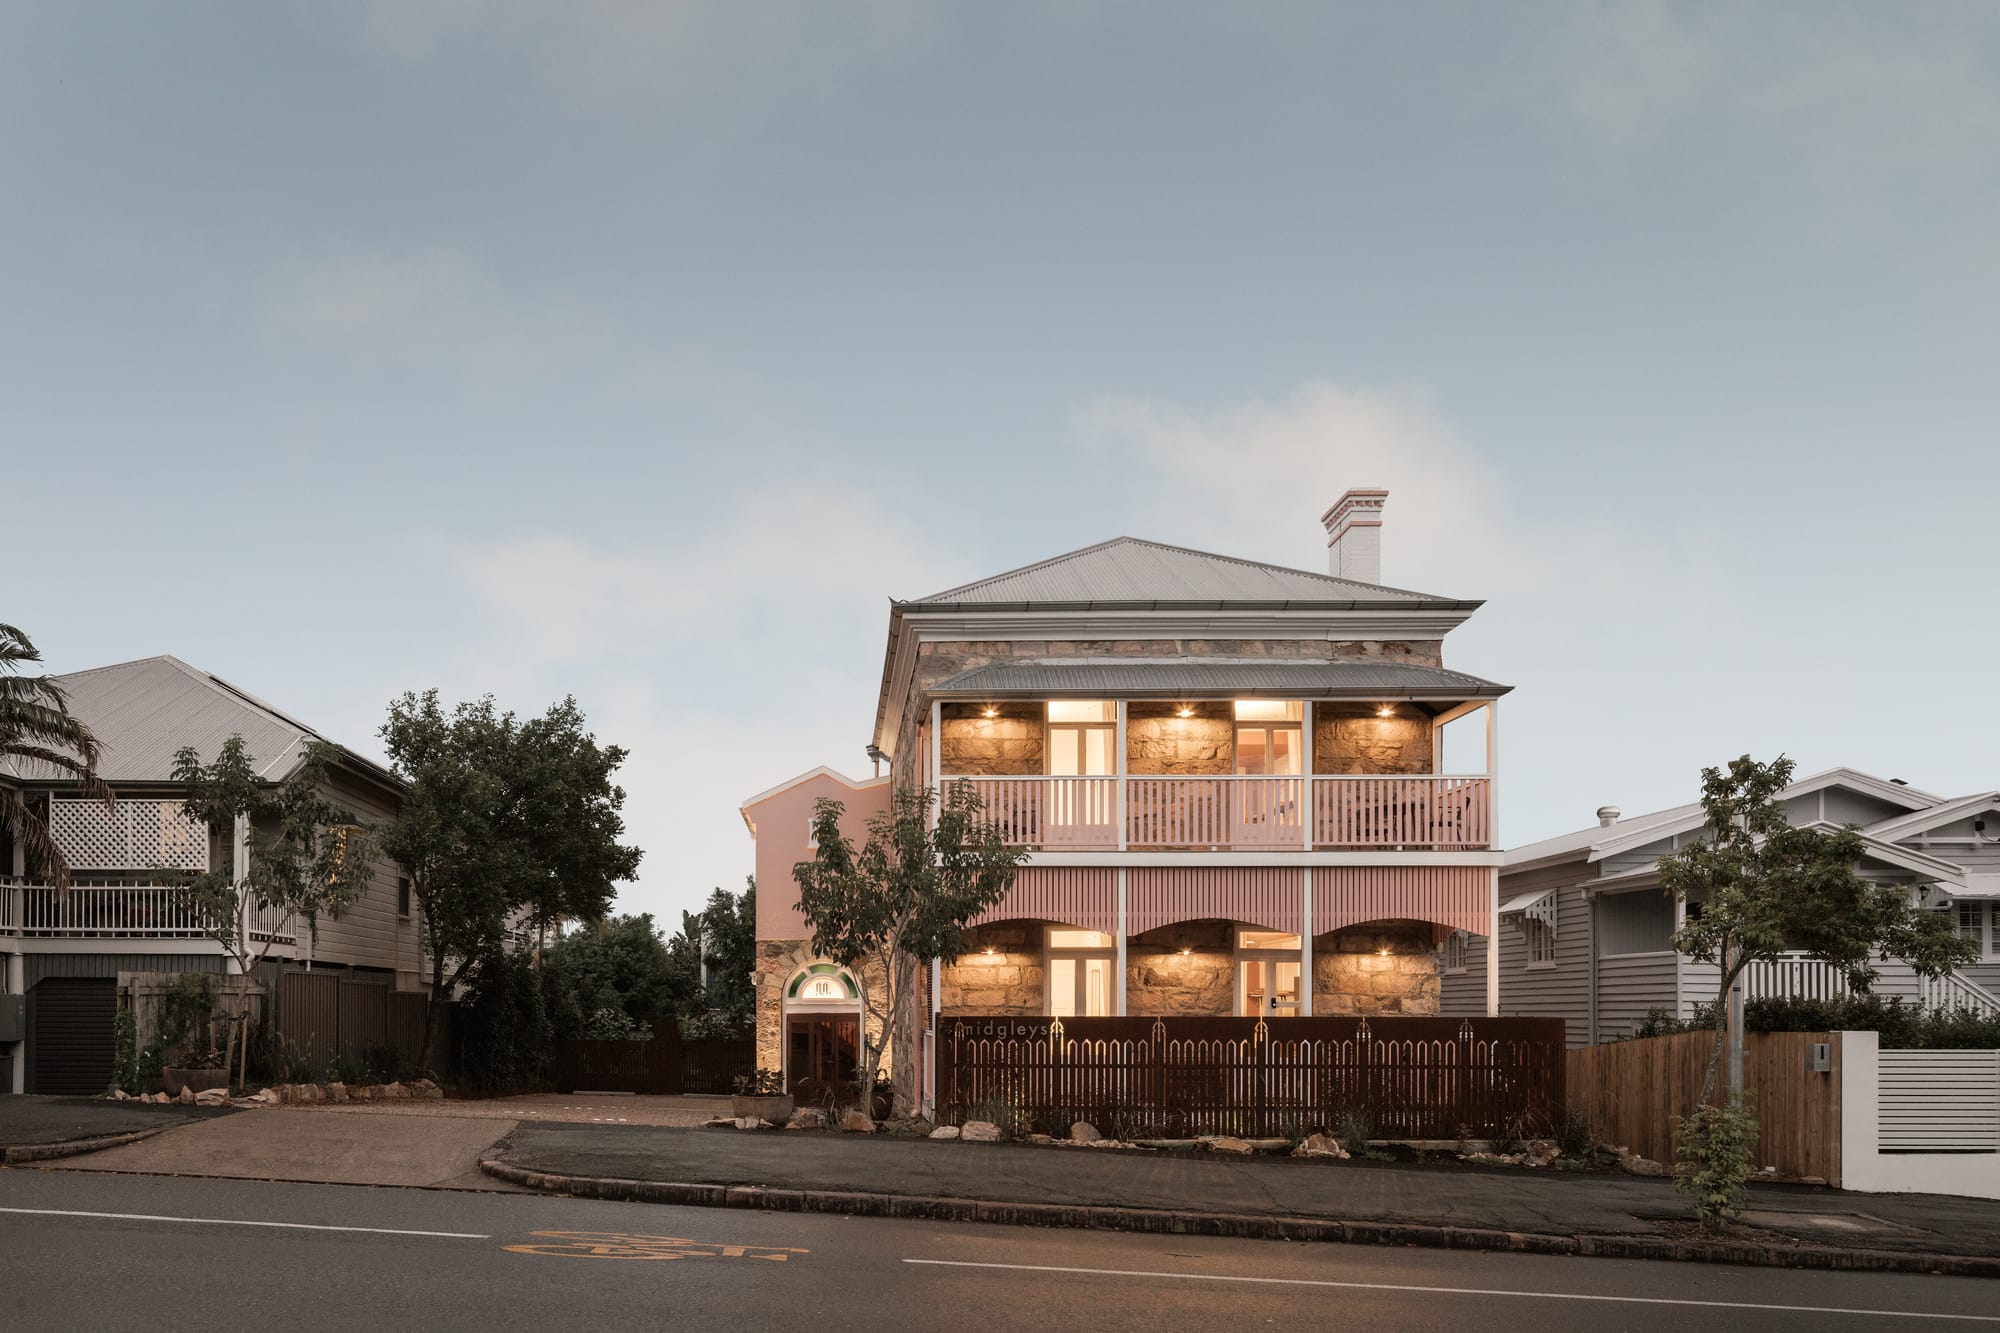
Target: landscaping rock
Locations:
point(1320, 1145)
point(120, 1095)
point(980, 1131)
point(1084, 1132)
point(945, 1132)
point(187, 1095)
point(752, 1122)
point(336, 1093)
point(1540, 1152)
point(392, 1091)
point(1643, 1166)
point(211, 1097)
point(720, 1122)
point(854, 1122)
point(807, 1117)
point(1226, 1143)
point(1041, 1138)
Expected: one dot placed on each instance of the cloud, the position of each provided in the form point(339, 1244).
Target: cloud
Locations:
point(701, 56)
point(726, 655)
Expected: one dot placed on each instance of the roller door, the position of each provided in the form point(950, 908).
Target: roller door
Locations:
point(70, 1041)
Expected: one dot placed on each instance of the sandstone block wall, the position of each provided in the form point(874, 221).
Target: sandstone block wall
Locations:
point(1161, 981)
point(1010, 980)
point(1352, 976)
point(1351, 738)
point(1009, 743)
point(1159, 741)
point(778, 960)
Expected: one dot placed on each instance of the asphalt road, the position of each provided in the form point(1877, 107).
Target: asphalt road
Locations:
point(118, 1251)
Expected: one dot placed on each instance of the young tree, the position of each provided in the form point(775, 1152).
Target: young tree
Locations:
point(503, 825)
point(621, 964)
point(723, 937)
point(36, 728)
point(308, 857)
point(901, 900)
point(1761, 888)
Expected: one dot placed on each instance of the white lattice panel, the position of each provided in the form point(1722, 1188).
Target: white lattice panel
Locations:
point(137, 835)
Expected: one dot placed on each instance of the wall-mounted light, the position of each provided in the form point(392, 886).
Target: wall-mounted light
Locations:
point(991, 711)
point(1386, 710)
point(1381, 953)
point(989, 951)
point(1184, 711)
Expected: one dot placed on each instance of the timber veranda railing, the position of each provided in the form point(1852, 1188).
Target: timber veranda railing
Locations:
point(1135, 1078)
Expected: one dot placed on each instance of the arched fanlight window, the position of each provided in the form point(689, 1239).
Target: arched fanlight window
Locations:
point(822, 982)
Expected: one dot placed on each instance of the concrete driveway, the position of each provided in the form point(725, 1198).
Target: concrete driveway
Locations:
point(275, 1144)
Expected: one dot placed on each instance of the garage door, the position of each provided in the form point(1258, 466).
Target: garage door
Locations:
point(70, 1041)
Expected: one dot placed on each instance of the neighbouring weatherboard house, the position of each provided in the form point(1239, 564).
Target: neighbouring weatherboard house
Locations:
point(1585, 930)
point(66, 951)
point(1227, 774)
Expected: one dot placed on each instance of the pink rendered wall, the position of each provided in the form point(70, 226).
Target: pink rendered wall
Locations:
point(783, 822)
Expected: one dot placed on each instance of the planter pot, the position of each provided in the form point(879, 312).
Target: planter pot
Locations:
point(776, 1109)
point(199, 1079)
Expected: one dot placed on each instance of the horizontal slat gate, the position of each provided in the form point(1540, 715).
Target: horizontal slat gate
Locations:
point(1938, 1101)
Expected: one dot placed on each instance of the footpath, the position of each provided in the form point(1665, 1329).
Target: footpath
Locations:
point(1445, 1205)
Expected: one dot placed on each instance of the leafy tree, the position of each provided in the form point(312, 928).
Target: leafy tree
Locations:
point(620, 965)
point(503, 824)
point(901, 900)
point(37, 728)
point(308, 856)
point(1764, 887)
point(723, 937)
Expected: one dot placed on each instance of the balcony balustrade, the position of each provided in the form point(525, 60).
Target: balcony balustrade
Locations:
point(121, 909)
point(1230, 813)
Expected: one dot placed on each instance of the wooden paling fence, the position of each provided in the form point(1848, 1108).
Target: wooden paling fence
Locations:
point(1635, 1090)
point(666, 1064)
point(1413, 1078)
point(326, 1015)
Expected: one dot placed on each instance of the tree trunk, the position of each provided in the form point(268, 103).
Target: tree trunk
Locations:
point(1732, 964)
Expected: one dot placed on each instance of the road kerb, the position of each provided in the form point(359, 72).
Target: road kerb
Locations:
point(1241, 1225)
point(49, 1152)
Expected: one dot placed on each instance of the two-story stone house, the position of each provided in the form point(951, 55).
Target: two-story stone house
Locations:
point(1227, 773)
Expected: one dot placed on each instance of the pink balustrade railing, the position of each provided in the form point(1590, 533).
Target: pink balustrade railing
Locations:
point(1239, 813)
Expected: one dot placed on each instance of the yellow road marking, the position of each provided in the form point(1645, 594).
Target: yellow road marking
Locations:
point(622, 1245)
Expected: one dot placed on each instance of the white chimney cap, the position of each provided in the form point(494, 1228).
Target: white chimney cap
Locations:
point(1607, 815)
point(1354, 534)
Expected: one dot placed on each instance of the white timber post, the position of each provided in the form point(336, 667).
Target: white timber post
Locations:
point(937, 757)
point(930, 1040)
point(239, 871)
point(1120, 1010)
point(1118, 806)
point(1493, 944)
point(17, 984)
point(1306, 946)
point(1493, 842)
point(1307, 766)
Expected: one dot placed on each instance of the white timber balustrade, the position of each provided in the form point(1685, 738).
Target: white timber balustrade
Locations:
point(1244, 813)
point(121, 910)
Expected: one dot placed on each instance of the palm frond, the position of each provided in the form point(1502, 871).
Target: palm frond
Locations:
point(31, 832)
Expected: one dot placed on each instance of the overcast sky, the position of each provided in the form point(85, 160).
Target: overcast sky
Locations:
point(645, 350)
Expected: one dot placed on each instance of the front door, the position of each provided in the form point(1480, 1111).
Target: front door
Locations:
point(1269, 987)
point(823, 1047)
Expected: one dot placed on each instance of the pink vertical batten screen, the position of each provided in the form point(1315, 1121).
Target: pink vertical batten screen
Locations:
point(1272, 897)
point(1081, 896)
point(1455, 896)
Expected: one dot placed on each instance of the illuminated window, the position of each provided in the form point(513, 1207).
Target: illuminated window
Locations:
point(1083, 969)
point(1083, 737)
point(1270, 736)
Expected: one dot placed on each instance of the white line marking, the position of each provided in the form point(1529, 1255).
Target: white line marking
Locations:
point(1459, 1291)
point(237, 1222)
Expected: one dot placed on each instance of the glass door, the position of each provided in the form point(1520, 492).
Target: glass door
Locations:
point(1268, 987)
point(1082, 973)
point(824, 1048)
point(1082, 743)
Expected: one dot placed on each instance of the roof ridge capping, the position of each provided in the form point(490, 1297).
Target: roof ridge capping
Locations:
point(1395, 595)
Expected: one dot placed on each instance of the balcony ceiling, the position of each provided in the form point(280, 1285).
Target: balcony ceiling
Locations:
point(1194, 678)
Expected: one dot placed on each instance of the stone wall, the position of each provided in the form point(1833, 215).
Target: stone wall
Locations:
point(1159, 741)
point(1011, 742)
point(1161, 981)
point(1010, 980)
point(778, 960)
point(1352, 975)
point(1351, 738)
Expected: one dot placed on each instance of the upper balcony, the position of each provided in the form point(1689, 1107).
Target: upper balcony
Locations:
point(1198, 773)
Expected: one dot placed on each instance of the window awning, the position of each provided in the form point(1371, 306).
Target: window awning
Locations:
point(1533, 907)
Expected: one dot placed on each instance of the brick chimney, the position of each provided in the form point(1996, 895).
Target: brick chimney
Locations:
point(1354, 535)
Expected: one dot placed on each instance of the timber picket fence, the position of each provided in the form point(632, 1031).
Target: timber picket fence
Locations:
point(1411, 1078)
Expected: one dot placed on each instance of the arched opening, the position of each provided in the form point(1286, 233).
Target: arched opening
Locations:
point(822, 1026)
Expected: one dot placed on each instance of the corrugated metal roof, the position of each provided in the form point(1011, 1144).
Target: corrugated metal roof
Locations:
point(1127, 570)
point(1197, 676)
point(142, 712)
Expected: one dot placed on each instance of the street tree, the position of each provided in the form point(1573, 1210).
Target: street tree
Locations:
point(306, 857)
point(37, 730)
point(505, 828)
point(1758, 887)
point(901, 901)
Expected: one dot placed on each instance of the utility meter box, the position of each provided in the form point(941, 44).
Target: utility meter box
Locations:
point(13, 1017)
point(1819, 1057)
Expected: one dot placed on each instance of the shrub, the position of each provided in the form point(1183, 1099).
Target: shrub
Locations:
point(760, 1083)
point(1713, 1160)
point(125, 1029)
point(1353, 1126)
point(610, 1024)
point(1901, 1026)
